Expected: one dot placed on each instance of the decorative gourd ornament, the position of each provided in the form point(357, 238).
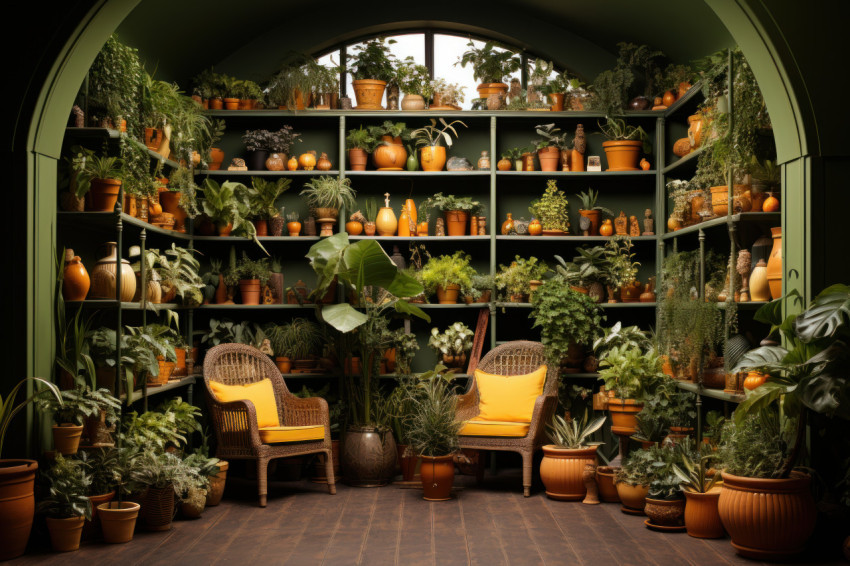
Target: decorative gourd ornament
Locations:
point(292, 164)
point(535, 228)
point(323, 164)
point(607, 228)
point(307, 161)
point(771, 204)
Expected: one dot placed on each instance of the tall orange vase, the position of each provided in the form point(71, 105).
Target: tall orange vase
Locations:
point(774, 264)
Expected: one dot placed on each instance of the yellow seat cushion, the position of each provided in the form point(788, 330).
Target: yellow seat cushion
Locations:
point(275, 434)
point(480, 427)
point(261, 394)
point(508, 398)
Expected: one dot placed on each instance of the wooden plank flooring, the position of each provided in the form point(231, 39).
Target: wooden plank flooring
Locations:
point(491, 524)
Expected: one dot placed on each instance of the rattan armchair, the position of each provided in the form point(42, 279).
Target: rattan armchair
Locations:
point(514, 358)
point(235, 422)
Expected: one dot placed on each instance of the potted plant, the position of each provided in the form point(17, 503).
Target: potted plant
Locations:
point(447, 275)
point(629, 376)
point(179, 197)
point(702, 493)
point(453, 345)
point(553, 210)
point(624, 144)
point(427, 138)
point(650, 429)
point(99, 465)
point(568, 322)
point(193, 491)
point(389, 153)
point(179, 276)
point(556, 90)
point(633, 478)
point(481, 290)
point(290, 87)
point(17, 476)
point(490, 66)
point(562, 467)
point(549, 146)
point(160, 475)
point(621, 269)
point(117, 519)
point(514, 280)
point(279, 336)
point(263, 195)
point(372, 68)
point(590, 210)
point(432, 429)
point(66, 506)
point(447, 96)
point(587, 273)
point(359, 143)
point(514, 156)
point(103, 177)
point(257, 145)
point(665, 504)
point(305, 341)
point(280, 144)
point(456, 209)
point(415, 82)
point(327, 195)
point(250, 275)
point(71, 411)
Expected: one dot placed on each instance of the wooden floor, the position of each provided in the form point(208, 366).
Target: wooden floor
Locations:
point(488, 525)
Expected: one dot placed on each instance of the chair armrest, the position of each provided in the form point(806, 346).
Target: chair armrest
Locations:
point(299, 411)
point(467, 406)
point(235, 425)
point(544, 407)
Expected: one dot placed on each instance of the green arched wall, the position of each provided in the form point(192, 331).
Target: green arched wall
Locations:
point(773, 39)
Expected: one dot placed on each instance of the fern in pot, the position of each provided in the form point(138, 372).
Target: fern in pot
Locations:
point(448, 276)
point(66, 505)
point(564, 461)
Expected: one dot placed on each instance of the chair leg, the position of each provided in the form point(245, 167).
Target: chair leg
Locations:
point(527, 460)
point(479, 468)
point(329, 472)
point(262, 480)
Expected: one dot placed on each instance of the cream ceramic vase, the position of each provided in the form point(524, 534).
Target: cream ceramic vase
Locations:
point(386, 222)
point(759, 287)
point(103, 278)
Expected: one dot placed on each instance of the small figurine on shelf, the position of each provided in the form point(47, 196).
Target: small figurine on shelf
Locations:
point(584, 225)
point(648, 223)
point(238, 164)
point(440, 229)
point(309, 226)
point(644, 164)
point(745, 261)
point(482, 225)
point(621, 224)
point(634, 227)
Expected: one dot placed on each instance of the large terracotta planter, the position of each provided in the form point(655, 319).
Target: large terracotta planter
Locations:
point(774, 264)
point(368, 456)
point(605, 482)
point(438, 474)
point(456, 221)
point(447, 295)
point(104, 194)
point(768, 519)
point(118, 521)
point(17, 505)
point(66, 438)
point(170, 201)
point(633, 497)
point(665, 512)
point(549, 158)
point(390, 155)
point(561, 471)
point(622, 155)
point(369, 93)
point(65, 533)
point(216, 489)
point(623, 415)
point(432, 158)
point(701, 516)
point(486, 89)
point(250, 291)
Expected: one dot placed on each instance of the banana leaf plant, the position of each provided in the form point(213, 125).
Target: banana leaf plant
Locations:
point(811, 371)
point(365, 271)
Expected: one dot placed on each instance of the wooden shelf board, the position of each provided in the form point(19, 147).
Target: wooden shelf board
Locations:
point(682, 161)
point(424, 114)
point(569, 238)
point(577, 174)
point(474, 173)
point(170, 386)
point(254, 173)
point(752, 217)
point(428, 238)
point(713, 393)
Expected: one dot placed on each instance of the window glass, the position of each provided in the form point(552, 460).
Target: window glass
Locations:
point(447, 51)
point(406, 45)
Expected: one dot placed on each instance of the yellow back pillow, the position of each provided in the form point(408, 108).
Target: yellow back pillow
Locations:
point(509, 398)
point(261, 394)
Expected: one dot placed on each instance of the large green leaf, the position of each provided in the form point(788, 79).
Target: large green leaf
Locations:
point(366, 263)
point(325, 258)
point(770, 313)
point(760, 358)
point(404, 307)
point(404, 285)
point(827, 314)
point(760, 398)
point(343, 317)
point(827, 394)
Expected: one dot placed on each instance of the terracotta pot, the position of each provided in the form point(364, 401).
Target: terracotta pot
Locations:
point(557, 101)
point(633, 497)
point(369, 93)
point(503, 164)
point(221, 291)
point(701, 516)
point(605, 482)
point(130, 206)
point(65, 533)
point(261, 225)
point(357, 159)
point(390, 155)
point(66, 438)
point(622, 155)
point(17, 505)
point(664, 512)
point(741, 201)
point(549, 158)
point(75, 278)
point(180, 364)
point(623, 415)
point(293, 228)
point(165, 370)
point(447, 295)
point(216, 103)
point(432, 158)
point(438, 474)
point(593, 216)
point(158, 508)
point(276, 162)
point(93, 527)
point(216, 159)
point(456, 221)
point(284, 364)
point(153, 138)
point(103, 277)
point(768, 519)
point(412, 102)
point(103, 194)
point(368, 456)
point(386, 222)
point(250, 291)
point(170, 201)
point(231, 103)
point(561, 471)
point(216, 489)
point(774, 264)
point(695, 130)
point(118, 521)
point(486, 89)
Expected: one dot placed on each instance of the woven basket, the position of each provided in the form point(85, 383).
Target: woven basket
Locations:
point(158, 508)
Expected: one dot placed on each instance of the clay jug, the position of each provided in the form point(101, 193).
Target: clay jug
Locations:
point(607, 228)
point(386, 222)
point(774, 264)
point(508, 225)
point(75, 278)
point(390, 154)
point(411, 210)
point(103, 276)
point(759, 287)
point(404, 223)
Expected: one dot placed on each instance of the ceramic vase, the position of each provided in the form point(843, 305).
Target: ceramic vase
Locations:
point(759, 287)
point(75, 278)
point(103, 277)
point(386, 223)
point(774, 264)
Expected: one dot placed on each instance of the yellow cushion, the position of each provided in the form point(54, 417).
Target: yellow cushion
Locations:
point(273, 434)
point(509, 398)
point(477, 427)
point(261, 394)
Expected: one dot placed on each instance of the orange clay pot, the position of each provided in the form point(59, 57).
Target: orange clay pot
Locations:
point(292, 164)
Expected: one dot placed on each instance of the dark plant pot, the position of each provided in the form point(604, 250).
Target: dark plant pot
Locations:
point(368, 456)
point(257, 160)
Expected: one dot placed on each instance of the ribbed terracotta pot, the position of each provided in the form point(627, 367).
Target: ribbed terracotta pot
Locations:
point(65, 533)
point(369, 93)
point(624, 415)
point(605, 482)
point(486, 89)
point(561, 471)
point(622, 155)
point(17, 505)
point(216, 489)
point(438, 474)
point(118, 521)
point(768, 519)
point(250, 291)
point(701, 516)
point(633, 497)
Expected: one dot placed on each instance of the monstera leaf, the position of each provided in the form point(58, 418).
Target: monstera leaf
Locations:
point(763, 357)
point(827, 315)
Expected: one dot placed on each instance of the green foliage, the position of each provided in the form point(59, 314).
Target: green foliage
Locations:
point(481, 282)
point(178, 269)
point(565, 317)
point(619, 336)
point(549, 137)
point(8, 409)
point(183, 180)
point(361, 138)
point(630, 373)
point(635, 73)
point(450, 93)
point(264, 194)
point(670, 406)
point(372, 60)
point(489, 65)
point(329, 192)
point(753, 446)
point(513, 279)
point(412, 78)
point(430, 136)
point(573, 434)
point(455, 341)
point(432, 428)
point(248, 268)
point(78, 404)
point(450, 202)
point(229, 203)
point(115, 81)
point(165, 469)
point(68, 487)
point(228, 332)
point(277, 141)
point(693, 474)
point(617, 129)
point(552, 209)
point(445, 270)
point(185, 415)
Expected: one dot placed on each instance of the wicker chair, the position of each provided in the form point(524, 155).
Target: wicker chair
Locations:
point(235, 422)
point(514, 358)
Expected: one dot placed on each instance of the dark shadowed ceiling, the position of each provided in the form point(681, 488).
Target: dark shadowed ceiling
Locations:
point(248, 38)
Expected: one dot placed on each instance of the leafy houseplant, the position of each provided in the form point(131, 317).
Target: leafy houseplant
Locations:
point(264, 194)
point(629, 373)
point(427, 138)
point(250, 275)
point(482, 288)
point(228, 206)
point(447, 94)
point(573, 434)
point(490, 66)
point(513, 280)
point(453, 345)
point(448, 276)
point(179, 274)
point(456, 209)
point(372, 68)
point(624, 144)
point(328, 192)
point(591, 210)
point(359, 143)
point(552, 209)
point(701, 515)
point(414, 81)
